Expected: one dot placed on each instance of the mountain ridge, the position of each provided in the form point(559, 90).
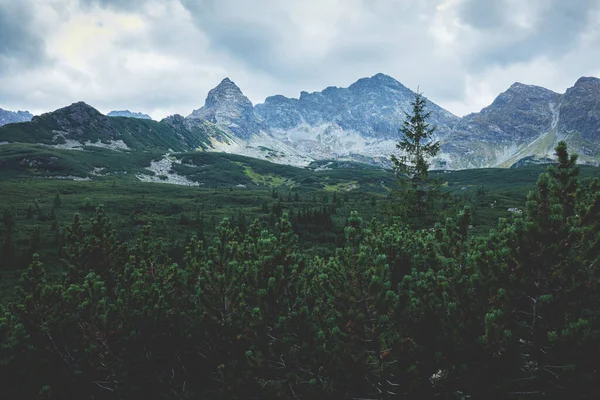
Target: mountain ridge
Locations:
point(359, 123)
point(10, 117)
point(128, 114)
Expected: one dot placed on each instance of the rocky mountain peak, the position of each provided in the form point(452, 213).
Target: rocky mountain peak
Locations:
point(227, 92)
point(518, 95)
point(587, 81)
point(79, 112)
point(227, 96)
point(580, 114)
point(585, 86)
point(227, 107)
point(176, 121)
point(78, 118)
point(378, 81)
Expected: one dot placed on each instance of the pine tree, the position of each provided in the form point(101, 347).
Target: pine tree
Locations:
point(417, 148)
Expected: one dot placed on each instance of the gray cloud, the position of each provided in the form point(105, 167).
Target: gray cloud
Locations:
point(253, 36)
point(461, 54)
point(20, 44)
point(516, 32)
point(117, 4)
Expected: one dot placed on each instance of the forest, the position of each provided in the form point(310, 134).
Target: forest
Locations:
point(420, 292)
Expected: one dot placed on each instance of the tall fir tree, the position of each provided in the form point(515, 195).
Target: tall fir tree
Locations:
point(417, 147)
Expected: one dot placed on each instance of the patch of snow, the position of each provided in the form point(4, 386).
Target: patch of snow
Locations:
point(98, 171)
point(162, 168)
point(69, 144)
point(69, 177)
point(1, 143)
point(111, 145)
point(324, 167)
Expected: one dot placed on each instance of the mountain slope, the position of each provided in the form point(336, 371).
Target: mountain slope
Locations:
point(579, 122)
point(513, 126)
point(227, 107)
point(10, 117)
point(358, 123)
point(361, 123)
point(79, 125)
point(372, 107)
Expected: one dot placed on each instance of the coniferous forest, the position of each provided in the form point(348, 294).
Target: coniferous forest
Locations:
point(410, 305)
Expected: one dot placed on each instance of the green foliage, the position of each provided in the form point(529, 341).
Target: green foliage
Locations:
point(419, 193)
point(247, 312)
point(416, 142)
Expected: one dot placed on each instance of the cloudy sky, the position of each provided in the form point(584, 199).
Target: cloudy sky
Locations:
point(163, 56)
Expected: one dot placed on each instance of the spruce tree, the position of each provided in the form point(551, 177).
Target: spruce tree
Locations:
point(417, 147)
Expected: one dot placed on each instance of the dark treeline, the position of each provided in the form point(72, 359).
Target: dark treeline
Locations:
point(395, 312)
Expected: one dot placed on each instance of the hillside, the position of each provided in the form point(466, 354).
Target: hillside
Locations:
point(80, 125)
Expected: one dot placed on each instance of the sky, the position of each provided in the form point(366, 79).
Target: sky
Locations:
point(161, 57)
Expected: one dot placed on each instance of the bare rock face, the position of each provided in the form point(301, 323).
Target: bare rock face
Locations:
point(500, 132)
point(228, 108)
point(580, 109)
point(361, 123)
point(11, 117)
point(372, 107)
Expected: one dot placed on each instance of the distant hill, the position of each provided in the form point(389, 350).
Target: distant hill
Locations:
point(80, 125)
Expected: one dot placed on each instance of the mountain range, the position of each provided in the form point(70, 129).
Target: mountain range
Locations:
point(129, 114)
point(9, 117)
point(357, 123)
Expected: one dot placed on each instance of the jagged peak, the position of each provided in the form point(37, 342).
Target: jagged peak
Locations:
point(128, 113)
point(378, 80)
point(518, 86)
point(173, 118)
point(227, 83)
point(222, 102)
point(383, 77)
point(587, 80)
point(522, 91)
point(279, 98)
point(77, 106)
point(226, 90)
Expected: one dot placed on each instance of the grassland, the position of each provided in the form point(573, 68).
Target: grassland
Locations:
point(233, 186)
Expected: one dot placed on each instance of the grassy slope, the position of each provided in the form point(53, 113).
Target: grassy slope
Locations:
point(23, 161)
point(171, 209)
point(136, 133)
